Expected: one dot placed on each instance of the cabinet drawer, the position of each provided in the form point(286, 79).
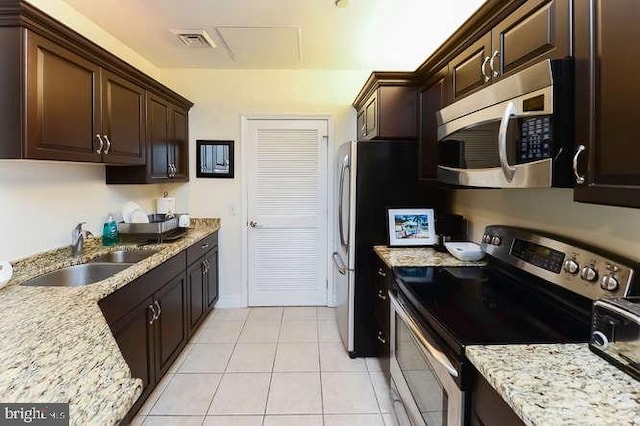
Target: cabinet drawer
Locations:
point(123, 300)
point(197, 250)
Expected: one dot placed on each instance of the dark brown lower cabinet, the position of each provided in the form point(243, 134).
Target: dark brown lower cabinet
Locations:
point(382, 315)
point(488, 408)
point(153, 317)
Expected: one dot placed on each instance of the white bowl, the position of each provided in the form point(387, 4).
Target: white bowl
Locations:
point(466, 251)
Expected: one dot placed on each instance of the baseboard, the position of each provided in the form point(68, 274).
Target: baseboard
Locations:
point(230, 302)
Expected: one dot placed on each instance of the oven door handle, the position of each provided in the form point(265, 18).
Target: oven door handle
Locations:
point(507, 169)
point(415, 330)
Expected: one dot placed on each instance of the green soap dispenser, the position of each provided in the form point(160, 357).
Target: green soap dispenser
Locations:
point(110, 235)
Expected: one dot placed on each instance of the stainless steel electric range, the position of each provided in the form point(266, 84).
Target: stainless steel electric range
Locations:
point(535, 288)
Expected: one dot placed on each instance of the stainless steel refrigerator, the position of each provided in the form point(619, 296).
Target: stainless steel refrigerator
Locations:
point(371, 177)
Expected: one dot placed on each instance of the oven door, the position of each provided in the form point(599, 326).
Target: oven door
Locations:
point(423, 389)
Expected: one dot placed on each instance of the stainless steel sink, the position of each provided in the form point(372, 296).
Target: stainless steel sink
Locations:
point(125, 256)
point(77, 275)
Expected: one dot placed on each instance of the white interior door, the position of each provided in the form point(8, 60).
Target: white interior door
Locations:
point(287, 212)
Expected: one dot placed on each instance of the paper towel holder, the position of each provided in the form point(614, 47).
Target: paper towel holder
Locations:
point(214, 159)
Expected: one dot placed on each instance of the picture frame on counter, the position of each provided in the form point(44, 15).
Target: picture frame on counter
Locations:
point(214, 159)
point(411, 227)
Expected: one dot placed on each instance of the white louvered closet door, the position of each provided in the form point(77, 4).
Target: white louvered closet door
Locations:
point(287, 212)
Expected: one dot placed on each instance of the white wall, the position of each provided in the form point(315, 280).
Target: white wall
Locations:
point(614, 228)
point(221, 97)
point(40, 202)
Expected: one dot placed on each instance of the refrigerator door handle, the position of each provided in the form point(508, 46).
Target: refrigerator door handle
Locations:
point(342, 269)
point(343, 239)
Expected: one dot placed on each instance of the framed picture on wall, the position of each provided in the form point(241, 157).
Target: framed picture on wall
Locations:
point(411, 227)
point(214, 159)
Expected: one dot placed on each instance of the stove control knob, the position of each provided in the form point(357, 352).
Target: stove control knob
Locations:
point(599, 339)
point(571, 266)
point(589, 274)
point(496, 240)
point(609, 283)
point(486, 239)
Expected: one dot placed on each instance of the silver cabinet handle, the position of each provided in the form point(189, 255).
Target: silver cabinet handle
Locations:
point(417, 334)
point(381, 295)
point(154, 314)
point(204, 246)
point(342, 269)
point(205, 264)
point(381, 272)
point(494, 70)
point(579, 178)
point(487, 77)
point(99, 150)
point(106, 150)
point(159, 308)
point(507, 170)
point(380, 338)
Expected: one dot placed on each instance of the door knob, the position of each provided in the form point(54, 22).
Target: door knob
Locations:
point(253, 224)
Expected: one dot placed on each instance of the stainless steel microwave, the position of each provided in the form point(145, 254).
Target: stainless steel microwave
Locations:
point(515, 133)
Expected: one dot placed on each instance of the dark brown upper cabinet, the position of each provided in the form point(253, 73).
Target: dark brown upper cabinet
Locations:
point(537, 30)
point(167, 146)
point(607, 100)
point(387, 107)
point(67, 99)
point(432, 96)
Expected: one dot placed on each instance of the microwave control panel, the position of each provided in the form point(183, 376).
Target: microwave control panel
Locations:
point(535, 139)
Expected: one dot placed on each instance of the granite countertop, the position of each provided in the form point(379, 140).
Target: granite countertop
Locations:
point(559, 384)
point(56, 344)
point(419, 256)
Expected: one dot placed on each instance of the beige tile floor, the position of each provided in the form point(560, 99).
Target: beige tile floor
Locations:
point(272, 367)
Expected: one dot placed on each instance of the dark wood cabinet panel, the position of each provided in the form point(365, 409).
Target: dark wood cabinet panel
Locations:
point(387, 108)
point(607, 100)
point(382, 315)
point(158, 130)
point(62, 119)
point(540, 29)
point(135, 340)
point(488, 408)
point(196, 282)
point(180, 141)
point(432, 97)
point(170, 326)
point(470, 70)
point(123, 120)
point(211, 279)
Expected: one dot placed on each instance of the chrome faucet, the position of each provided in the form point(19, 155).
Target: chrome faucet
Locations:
point(77, 239)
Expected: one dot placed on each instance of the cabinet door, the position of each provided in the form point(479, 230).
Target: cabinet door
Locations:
point(180, 144)
point(170, 327)
point(371, 117)
point(362, 124)
point(432, 98)
point(211, 279)
point(123, 120)
point(470, 70)
point(63, 107)
point(158, 133)
point(607, 101)
point(196, 295)
point(537, 30)
point(134, 336)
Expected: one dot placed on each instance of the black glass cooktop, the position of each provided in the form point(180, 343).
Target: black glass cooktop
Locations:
point(486, 305)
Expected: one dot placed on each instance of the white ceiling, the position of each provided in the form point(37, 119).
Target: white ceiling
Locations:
point(283, 34)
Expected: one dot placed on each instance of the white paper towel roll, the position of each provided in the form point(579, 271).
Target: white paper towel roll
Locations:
point(6, 272)
point(165, 205)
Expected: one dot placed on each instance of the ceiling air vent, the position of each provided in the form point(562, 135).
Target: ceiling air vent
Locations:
point(195, 38)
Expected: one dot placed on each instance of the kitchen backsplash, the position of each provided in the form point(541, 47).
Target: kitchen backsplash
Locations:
point(42, 202)
point(552, 210)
